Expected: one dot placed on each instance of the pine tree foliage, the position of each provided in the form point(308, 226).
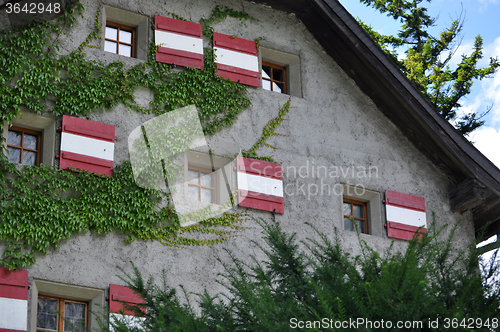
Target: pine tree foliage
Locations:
point(427, 63)
point(320, 279)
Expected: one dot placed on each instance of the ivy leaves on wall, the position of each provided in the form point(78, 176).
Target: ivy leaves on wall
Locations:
point(42, 206)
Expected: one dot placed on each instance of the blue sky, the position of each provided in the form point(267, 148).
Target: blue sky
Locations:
point(481, 18)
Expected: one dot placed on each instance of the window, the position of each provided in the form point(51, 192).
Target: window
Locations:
point(201, 185)
point(280, 72)
point(355, 216)
point(119, 39)
point(372, 213)
point(75, 302)
point(72, 318)
point(123, 22)
point(24, 146)
point(273, 77)
point(29, 124)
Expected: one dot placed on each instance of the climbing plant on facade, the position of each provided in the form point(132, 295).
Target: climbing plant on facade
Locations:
point(41, 206)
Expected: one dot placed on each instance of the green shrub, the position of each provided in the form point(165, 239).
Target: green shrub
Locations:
point(432, 282)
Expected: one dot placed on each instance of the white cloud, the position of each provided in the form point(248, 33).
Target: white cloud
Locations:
point(485, 3)
point(486, 140)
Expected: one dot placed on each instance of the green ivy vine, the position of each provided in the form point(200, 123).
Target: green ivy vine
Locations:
point(268, 131)
point(42, 206)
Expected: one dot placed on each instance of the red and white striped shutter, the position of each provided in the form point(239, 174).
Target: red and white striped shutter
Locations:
point(87, 145)
point(178, 42)
point(237, 59)
point(260, 185)
point(119, 294)
point(13, 300)
point(405, 215)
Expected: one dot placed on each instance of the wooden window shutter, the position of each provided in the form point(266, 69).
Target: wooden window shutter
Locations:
point(237, 59)
point(13, 300)
point(260, 185)
point(120, 294)
point(178, 42)
point(87, 145)
point(405, 215)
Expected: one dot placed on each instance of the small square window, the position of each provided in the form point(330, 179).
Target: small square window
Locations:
point(24, 146)
point(119, 39)
point(355, 215)
point(274, 77)
point(202, 185)
point(62, 315)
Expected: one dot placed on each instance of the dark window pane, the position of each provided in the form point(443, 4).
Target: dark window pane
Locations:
point(360, 225)
point(14, 138)
point(29, 158)
point(30, 141)
point(278, 75)
point(358, 211)
point(74, 314)
point(347, 209)
point(278, 87)
point(266, 71)
point(46, 316)
point(14, 155)
point(347, 224)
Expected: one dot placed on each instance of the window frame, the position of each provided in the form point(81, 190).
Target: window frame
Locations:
point(22, 148)
point(365, 213)
point(271, 79)
point(205, 170)
point(60, 306)
point(125, 27)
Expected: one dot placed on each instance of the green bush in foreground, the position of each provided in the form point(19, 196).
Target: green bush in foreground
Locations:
point(430, 283)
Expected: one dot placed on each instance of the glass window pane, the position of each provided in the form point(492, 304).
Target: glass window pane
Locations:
point(14, 155)
point(347, 209)
point(14, 138)
point(278, 87)
point(111, 33)
point(278, 75)
point(360, 225)
point(266, 71)
point(74, 314)
point(126, 36)
point(30, 141)
point(29, 158)
point(207, 195)
point(193, 193)
point(193, 177)
point(358, 211)
point(207, 179)
point(347, 224)
point(110, 46)
point(125, 50)
point(266, 85)
point(46, 317)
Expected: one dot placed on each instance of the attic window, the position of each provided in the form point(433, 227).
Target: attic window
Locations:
point(280, 72)
point(274, 77)
point(119, 39)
